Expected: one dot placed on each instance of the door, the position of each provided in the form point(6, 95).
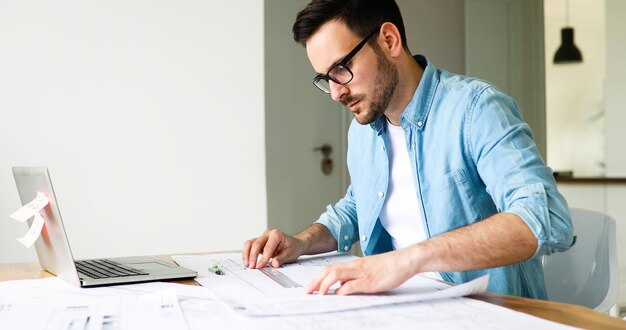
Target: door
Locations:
point(299, 120)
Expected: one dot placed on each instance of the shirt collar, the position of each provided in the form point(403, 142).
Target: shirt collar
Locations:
point(416, 112)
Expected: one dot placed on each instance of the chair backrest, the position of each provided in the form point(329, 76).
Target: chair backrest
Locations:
point(587, 273)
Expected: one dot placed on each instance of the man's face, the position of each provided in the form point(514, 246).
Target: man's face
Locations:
point(374, 80)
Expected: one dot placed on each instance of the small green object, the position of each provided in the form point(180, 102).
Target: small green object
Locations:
point(215, 269)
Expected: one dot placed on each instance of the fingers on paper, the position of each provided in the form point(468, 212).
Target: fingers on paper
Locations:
point(283, 256)
point(330, 276)
point(245, 254)
point(277, 261)
point(351, 287)
point(274, 239)
point(256, 246)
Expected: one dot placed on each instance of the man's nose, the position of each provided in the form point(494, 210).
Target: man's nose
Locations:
point(337, 91)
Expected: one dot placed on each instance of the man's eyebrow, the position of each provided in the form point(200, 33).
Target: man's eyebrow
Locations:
point(332, 65)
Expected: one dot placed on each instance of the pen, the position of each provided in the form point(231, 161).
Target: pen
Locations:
point(215, 269)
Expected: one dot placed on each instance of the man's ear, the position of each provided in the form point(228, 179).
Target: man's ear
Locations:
point(392, 42)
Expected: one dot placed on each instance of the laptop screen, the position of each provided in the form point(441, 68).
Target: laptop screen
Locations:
point(53, 248)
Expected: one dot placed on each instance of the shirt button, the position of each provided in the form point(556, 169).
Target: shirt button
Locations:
point(382, 148)
point(346, 237)
point(420, 123)
point(363, 238)
point(381, 194)
point(346, 248)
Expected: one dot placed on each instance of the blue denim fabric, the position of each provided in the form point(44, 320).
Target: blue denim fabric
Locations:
point(472, 156)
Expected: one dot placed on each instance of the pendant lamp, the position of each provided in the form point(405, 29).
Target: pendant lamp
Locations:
point(567, 52)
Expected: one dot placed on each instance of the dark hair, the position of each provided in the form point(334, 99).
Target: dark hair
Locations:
point(361, 16)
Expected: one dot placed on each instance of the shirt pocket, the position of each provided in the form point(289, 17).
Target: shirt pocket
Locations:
point(459, 200)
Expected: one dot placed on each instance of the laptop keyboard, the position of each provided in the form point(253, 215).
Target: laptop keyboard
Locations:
point(104, 268)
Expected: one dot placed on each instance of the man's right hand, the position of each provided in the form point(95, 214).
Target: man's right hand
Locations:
point(275, 244)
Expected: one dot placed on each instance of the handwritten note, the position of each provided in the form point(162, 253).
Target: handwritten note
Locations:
point(33, 207)
point(33, 232)
point(26, 212)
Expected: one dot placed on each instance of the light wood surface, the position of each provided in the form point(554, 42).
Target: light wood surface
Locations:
point(573, 315)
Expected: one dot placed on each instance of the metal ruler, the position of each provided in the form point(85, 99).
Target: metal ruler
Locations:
point(279, 277)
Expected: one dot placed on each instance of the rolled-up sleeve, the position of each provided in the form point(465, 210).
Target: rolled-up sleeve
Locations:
point(513, 171)
point(341, 221)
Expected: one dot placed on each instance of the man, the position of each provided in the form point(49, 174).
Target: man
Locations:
point(446, 179)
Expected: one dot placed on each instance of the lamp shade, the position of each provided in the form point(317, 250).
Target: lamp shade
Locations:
point(567, 52)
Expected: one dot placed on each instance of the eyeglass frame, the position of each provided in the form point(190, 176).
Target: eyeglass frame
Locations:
point(343, 63)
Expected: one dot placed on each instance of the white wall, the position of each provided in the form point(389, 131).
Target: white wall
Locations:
point(615, 119)
point(575, 92)
point(149, 115)
point(615, 88)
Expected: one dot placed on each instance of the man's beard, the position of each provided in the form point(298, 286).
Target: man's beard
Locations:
point(384, 89)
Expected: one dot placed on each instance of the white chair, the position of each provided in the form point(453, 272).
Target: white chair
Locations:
point(587, 273)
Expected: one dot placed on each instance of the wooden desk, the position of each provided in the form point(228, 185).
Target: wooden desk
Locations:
point(574, 315)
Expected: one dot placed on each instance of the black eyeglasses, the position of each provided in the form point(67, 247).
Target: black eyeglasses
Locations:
point(340, 73)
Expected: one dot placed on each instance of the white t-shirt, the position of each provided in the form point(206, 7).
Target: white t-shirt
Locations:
point(401, 215)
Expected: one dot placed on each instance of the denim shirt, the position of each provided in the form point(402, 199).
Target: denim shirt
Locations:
point(472, 156)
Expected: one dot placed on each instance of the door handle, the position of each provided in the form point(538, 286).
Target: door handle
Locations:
point(327, 163)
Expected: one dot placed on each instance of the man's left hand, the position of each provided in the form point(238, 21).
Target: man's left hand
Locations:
point(365, 275)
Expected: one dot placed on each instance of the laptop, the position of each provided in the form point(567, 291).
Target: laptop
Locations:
point(55, 255)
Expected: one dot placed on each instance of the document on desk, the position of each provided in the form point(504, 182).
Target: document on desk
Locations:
point(273, 292)
point(45, 308)
point(51, 303)
point(441, 314)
